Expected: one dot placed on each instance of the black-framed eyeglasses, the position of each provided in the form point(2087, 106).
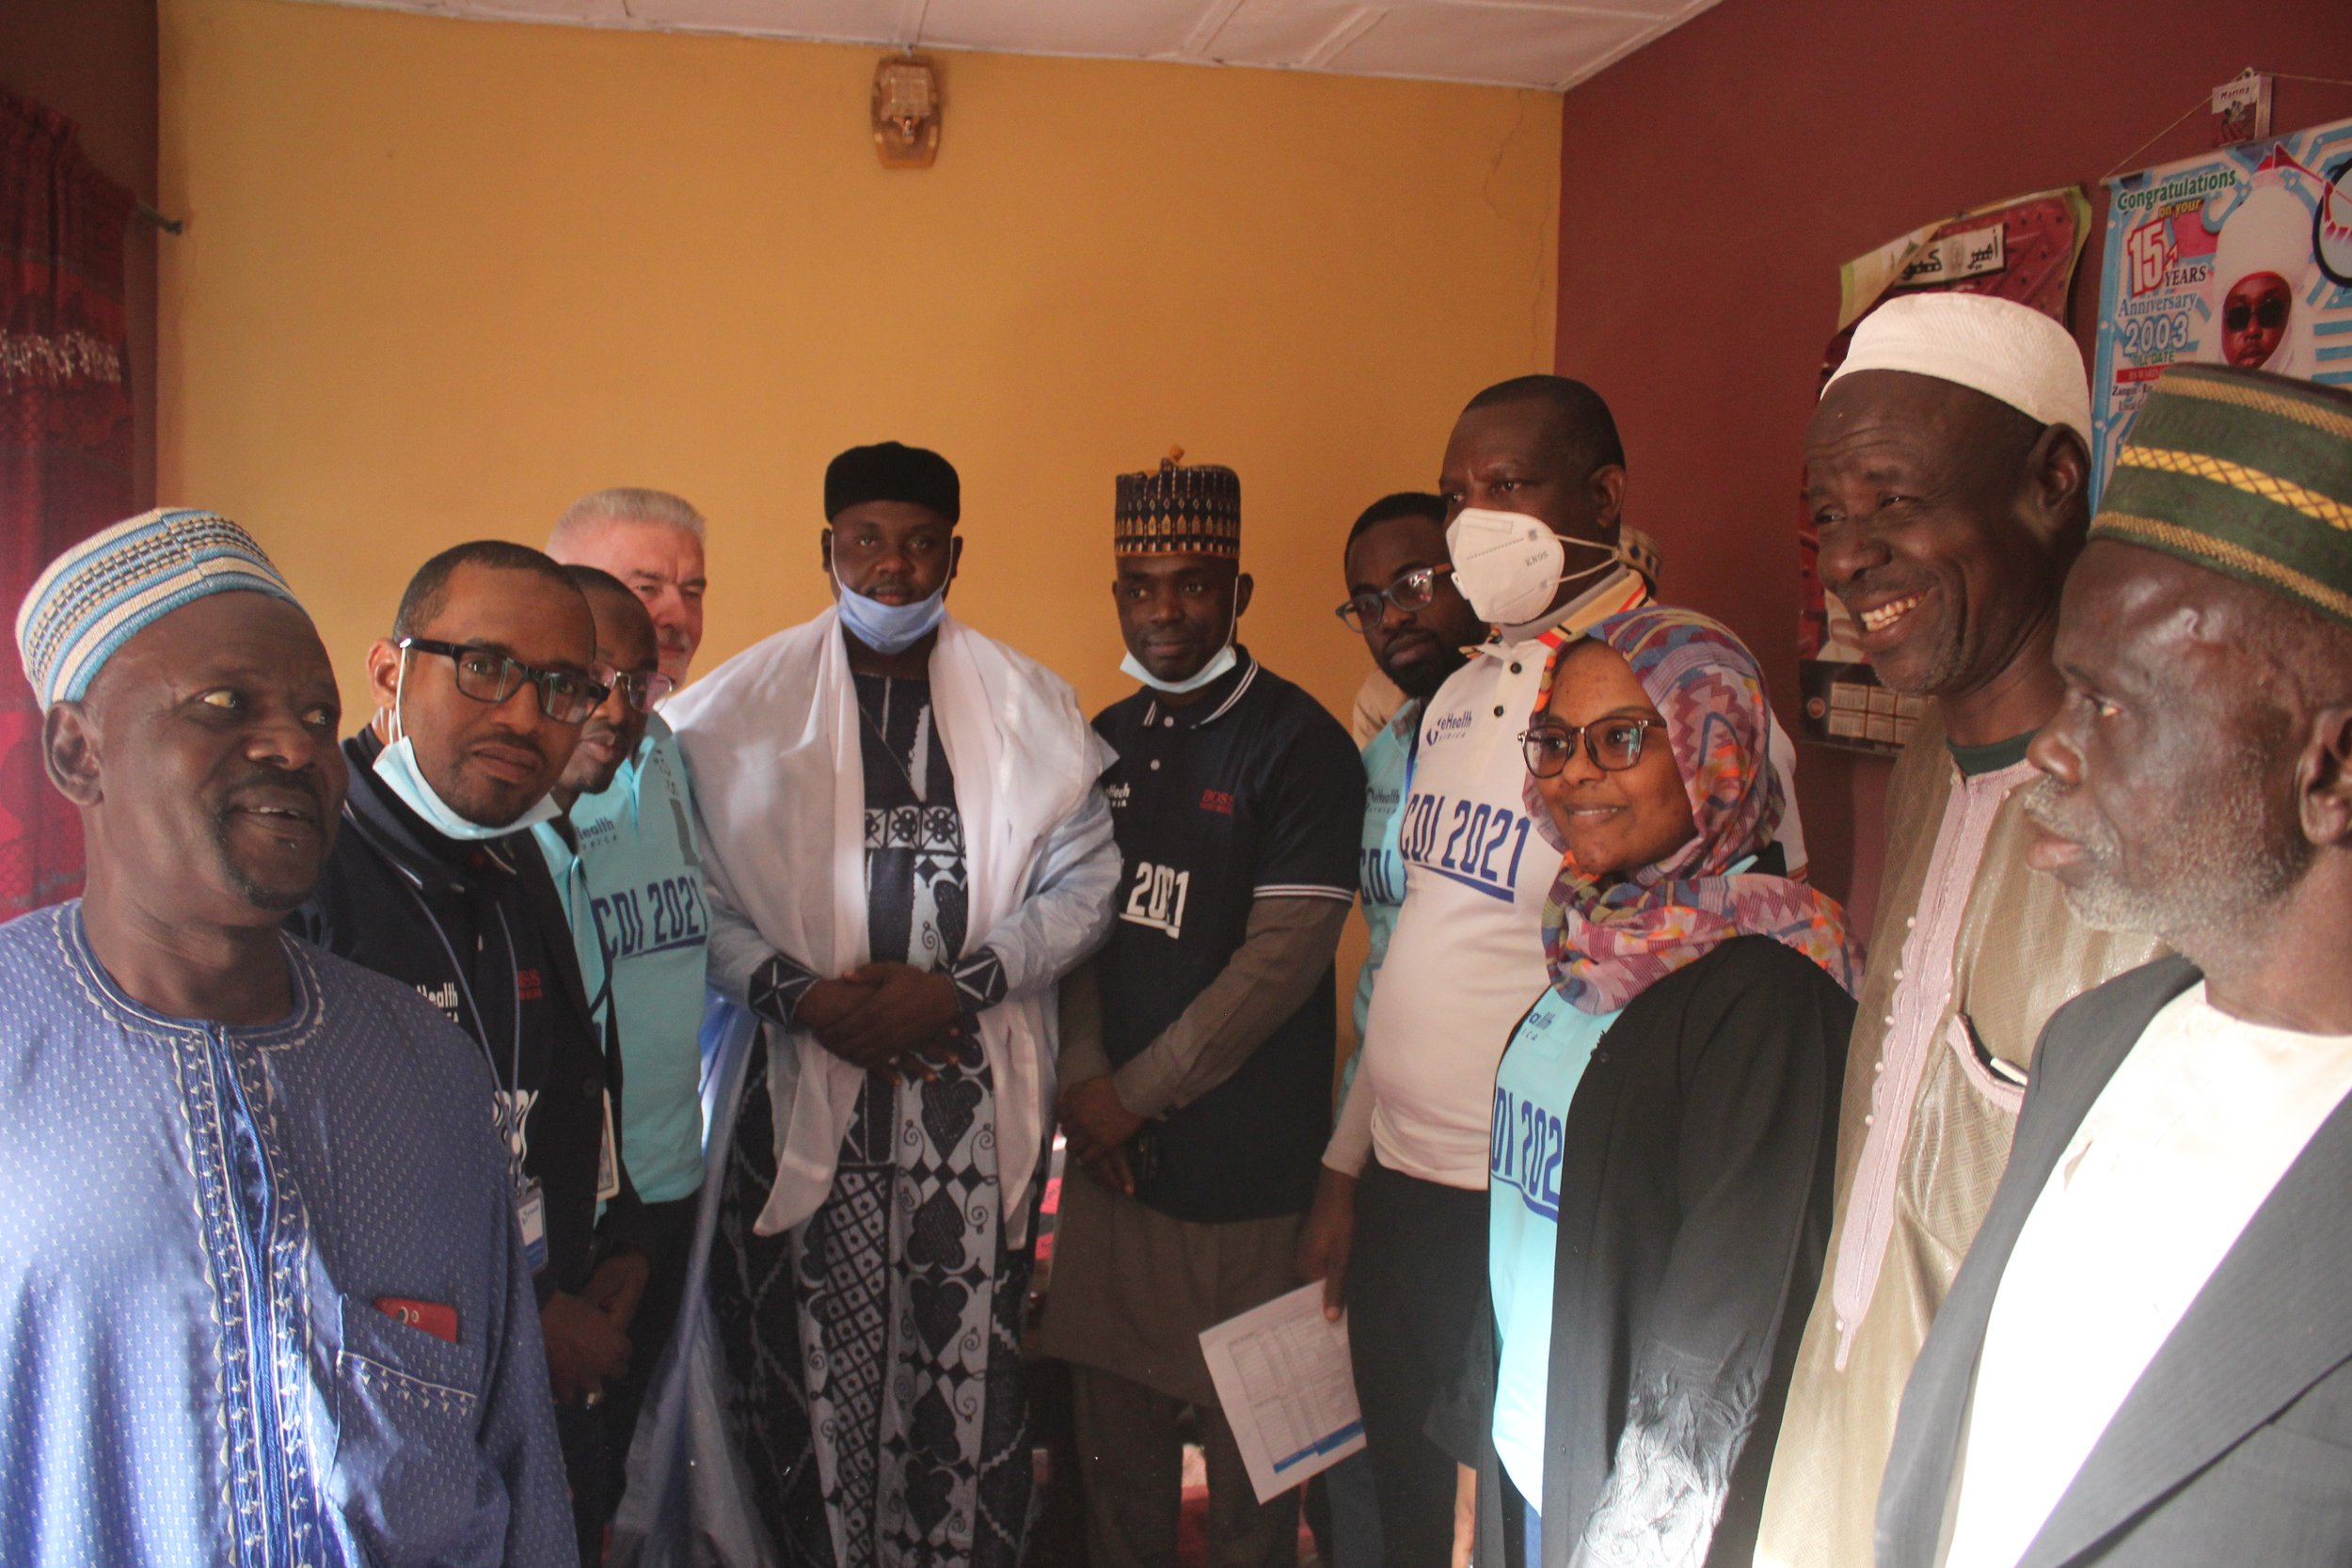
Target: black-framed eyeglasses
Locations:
point(640, 689)
point(1615, 744)
point(2270, 315)
point(487, 676)
point(1413, 590)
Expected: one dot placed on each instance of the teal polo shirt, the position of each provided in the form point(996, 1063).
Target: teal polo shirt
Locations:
point(1380, 872)
point(635, 896)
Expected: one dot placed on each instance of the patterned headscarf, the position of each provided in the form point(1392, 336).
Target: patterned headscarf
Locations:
point(1605, 947)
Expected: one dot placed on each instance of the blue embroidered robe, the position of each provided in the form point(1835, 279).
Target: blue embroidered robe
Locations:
point(201, 1221)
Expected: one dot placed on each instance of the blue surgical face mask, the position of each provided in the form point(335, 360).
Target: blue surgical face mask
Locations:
point(889, 628)
point(1220, 663)
point(396, 765)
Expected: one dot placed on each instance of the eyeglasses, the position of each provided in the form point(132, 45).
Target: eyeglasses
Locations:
point(1614, 744)
point(492, 677)
point(640, 690)
point(1411, 591)
point(2271, 314)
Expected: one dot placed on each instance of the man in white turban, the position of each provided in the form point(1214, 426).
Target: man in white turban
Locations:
point(1949, 472)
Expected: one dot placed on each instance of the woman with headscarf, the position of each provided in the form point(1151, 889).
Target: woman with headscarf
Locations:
point(1664, 1116)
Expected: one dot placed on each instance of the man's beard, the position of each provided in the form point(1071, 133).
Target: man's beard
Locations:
point(270, 897)
point(596, 781)
point(1423, 681)
point(2233, 850)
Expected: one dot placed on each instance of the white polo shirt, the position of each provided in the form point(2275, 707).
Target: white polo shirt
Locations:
point(1467, 956)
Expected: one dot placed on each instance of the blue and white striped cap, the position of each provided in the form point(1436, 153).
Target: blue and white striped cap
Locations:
point(112, 585)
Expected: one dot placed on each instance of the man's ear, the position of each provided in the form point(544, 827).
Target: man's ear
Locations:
point(69, 751)
point(384, 657)
point(824, 551)
point(1243, 587)
point(955, 560)
point(2058, 480)
point(2323, 780)
point(1608, 485)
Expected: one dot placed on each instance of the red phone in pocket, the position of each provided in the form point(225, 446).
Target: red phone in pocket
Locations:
point(438, 1321)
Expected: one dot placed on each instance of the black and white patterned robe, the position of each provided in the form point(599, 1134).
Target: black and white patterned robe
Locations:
point(873, 1349)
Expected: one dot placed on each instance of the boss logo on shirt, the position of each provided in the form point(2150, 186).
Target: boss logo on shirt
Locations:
point(527, 986)
point(1219, 800)
point(1157, 898)
point(1470, 842)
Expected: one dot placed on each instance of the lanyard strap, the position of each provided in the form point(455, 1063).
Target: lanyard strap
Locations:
point(514, 1054)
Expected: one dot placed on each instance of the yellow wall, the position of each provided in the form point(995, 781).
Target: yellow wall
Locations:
point(439, 277)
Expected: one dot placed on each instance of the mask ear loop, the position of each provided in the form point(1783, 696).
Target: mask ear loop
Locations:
point(1233, 629)
point(1616, 553)
point(400, 685)
point(1588, 571)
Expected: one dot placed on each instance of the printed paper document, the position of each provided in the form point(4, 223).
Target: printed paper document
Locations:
point(1282, 1376)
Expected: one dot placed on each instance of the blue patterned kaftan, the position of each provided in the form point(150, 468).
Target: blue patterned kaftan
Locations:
point(200, 1222)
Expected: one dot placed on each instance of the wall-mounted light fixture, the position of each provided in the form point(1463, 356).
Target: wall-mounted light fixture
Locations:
point(906, 111)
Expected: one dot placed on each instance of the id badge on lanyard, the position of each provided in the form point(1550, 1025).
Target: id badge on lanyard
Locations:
point(530, 1213)
point(607, 1158)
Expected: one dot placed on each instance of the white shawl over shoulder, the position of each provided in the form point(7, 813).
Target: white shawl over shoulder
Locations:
point(772, 737)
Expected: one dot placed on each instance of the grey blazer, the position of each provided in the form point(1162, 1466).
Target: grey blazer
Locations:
point(2235, 1445)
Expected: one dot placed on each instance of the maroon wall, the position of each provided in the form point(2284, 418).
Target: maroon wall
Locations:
point(94, 62)
point(1713, 183)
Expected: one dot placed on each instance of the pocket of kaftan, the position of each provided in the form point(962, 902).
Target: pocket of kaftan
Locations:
point(407, 1470)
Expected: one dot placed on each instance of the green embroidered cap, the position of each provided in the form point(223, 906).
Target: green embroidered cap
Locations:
point(2242, 472)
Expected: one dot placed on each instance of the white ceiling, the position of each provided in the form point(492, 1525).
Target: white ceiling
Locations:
point(1530, 44)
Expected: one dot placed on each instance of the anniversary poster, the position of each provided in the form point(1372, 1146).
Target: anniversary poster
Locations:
point(2242, 257)
point(2022, 250)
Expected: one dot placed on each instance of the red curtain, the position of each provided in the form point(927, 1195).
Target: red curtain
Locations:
point(65, 441)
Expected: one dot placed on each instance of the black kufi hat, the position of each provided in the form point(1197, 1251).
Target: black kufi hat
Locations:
point(888, 471)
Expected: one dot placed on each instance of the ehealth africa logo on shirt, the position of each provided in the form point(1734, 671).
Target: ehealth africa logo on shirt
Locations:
point(443, 997)
point(1452, 726)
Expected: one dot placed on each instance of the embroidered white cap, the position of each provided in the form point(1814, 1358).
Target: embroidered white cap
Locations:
point(2008, 352)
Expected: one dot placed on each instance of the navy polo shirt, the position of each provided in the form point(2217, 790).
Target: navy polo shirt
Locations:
point(1254, 790)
